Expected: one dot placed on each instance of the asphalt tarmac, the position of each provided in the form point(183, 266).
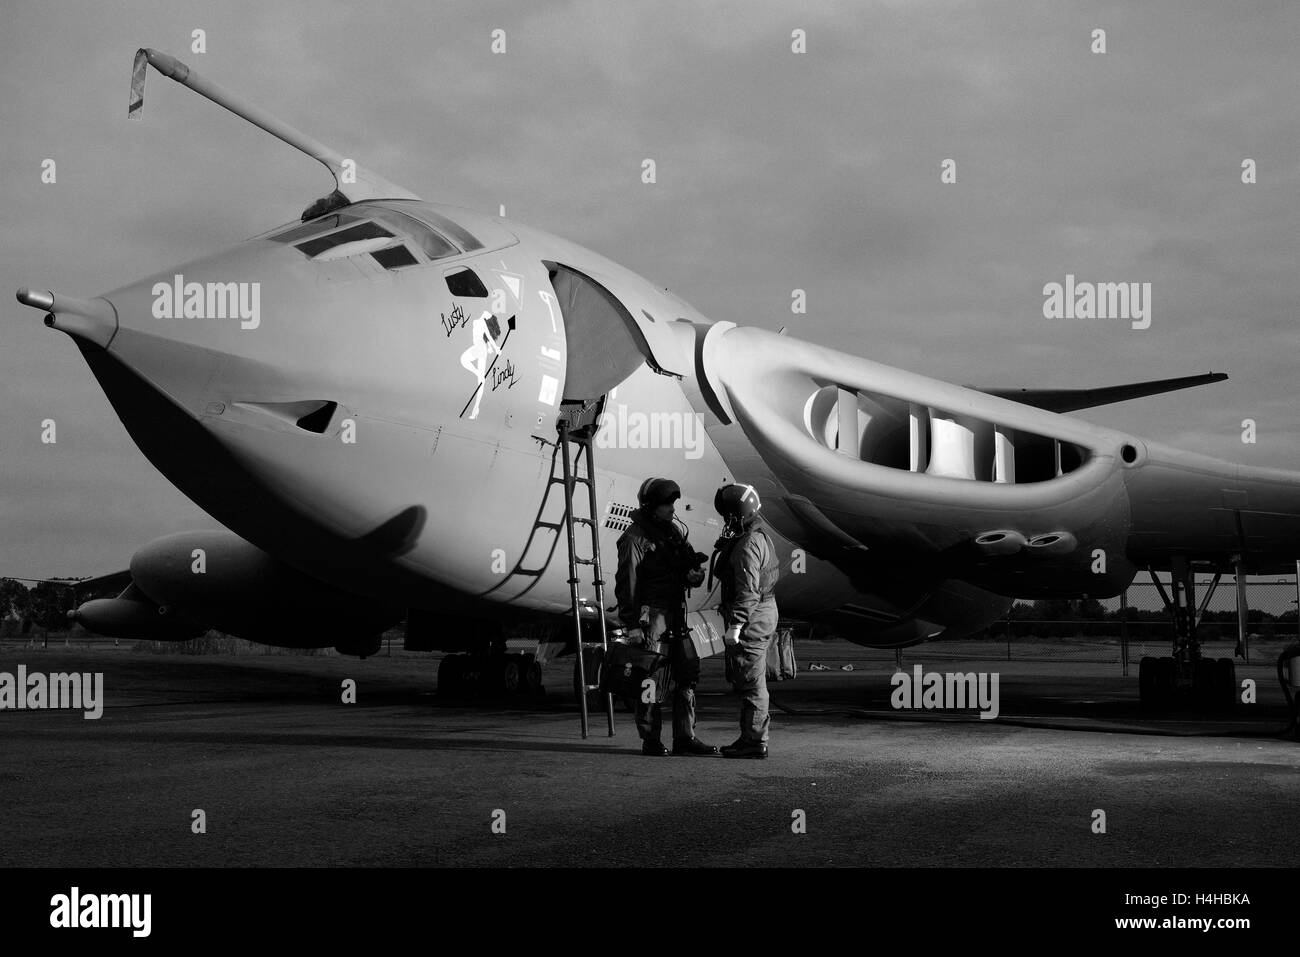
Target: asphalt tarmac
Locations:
point(286, 774)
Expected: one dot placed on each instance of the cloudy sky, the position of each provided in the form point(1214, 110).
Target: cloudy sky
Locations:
point(776, 171)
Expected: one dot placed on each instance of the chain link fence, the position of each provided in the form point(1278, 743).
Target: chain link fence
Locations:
point(1117, 631)
point(1122, 630)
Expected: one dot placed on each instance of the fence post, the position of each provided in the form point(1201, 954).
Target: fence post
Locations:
point(1243, 609)
point(1123, 630)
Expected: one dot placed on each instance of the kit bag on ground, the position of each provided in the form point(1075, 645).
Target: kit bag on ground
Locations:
point(780, 656)
point(625, 668)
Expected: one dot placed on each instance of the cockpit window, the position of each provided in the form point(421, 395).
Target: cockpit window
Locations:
point(465, 282)
point(395, 257)
point(319, 225)
point(353, 234)
point(393, 239)
point(434, 246)
point(421, 236)
point(454, 230)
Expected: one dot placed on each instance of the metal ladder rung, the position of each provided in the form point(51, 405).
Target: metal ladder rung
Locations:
point(570, 480)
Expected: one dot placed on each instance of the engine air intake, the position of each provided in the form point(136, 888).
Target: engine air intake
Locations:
point(884, 430)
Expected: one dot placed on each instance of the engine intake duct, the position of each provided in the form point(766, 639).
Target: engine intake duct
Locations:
point(885, 430)
point(894, 458)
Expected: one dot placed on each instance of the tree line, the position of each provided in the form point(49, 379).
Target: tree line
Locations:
point(1088, 617)
point(44, 605)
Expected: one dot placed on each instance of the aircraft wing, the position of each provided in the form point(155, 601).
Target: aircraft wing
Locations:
point(1071, 400)
point(114, 583)
point(101, 584)
point(904, 476)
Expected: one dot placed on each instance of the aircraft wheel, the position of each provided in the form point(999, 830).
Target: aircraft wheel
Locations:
point(1166, 681)
point(1225, 683)
point(488, 673)
point(1203, 684)
point(1147, 682)
point(472, 673)
point(531, 676)
point(511, 674)
point(451, 676)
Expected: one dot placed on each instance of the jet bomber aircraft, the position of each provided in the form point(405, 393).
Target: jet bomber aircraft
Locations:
point(407, 411)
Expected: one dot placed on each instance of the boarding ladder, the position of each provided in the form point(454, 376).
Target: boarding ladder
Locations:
point(576, 425)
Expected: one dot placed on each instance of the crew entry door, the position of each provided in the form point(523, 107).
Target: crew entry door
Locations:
point(605, 340)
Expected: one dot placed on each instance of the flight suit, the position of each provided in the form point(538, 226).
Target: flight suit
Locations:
point(654, 560)
point(747, 568)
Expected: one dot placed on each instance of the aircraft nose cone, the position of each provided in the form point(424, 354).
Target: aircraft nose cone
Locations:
point(89, 320)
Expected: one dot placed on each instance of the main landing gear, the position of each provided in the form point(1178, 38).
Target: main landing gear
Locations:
point(493, 673)
point(1186, 678)
point(1163, 684)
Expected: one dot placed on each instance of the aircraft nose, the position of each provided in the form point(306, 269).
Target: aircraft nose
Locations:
point(89, 320)
point(195, 331)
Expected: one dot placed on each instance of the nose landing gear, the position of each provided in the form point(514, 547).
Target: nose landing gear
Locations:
point(493, 673)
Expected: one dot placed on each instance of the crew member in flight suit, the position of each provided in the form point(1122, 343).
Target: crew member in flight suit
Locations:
point(656, 565)
point(746, 564)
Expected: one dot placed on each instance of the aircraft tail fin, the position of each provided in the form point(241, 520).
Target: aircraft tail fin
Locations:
point(1071, 400)
point(352, 181)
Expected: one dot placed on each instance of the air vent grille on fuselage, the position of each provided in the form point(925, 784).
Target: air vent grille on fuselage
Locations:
point(619, 517)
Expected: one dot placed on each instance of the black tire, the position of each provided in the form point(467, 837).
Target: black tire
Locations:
point(1225, 684)
point(1203, 684)
point(1166, 683)
point(472, 676)
point(1147, 682)
point(531, 677)
point(512, 674)
point(451, 676)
